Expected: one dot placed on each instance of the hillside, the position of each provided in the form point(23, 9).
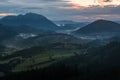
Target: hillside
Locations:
point(100, 28)
point(97, 64)
point(29, 19)
point(6, 32)
point(43, 40)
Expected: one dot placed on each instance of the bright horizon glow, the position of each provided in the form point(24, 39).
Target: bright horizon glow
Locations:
point(6, 14)
point(88, 3)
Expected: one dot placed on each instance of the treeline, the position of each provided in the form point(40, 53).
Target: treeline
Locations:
point(63, 72)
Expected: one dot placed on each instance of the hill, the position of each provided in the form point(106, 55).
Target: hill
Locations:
point(100, 29)
point(43, 40)
point(6, 32)
point(29, 19)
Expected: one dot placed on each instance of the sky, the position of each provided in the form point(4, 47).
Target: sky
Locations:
point(76, 10)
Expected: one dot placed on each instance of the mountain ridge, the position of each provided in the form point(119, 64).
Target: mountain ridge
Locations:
point(30, 19)
point(99, 28)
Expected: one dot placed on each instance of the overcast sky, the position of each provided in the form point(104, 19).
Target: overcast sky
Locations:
point(77, 10)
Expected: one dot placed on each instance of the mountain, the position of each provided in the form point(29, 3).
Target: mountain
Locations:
point(6, 32)
point(100, 28)
point(29, 19)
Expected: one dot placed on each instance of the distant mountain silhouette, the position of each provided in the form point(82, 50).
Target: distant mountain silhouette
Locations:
point(100, 28)
point(29, 19)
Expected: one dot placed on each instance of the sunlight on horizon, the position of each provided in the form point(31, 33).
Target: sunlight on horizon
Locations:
point(6, 14)
point(102, 3)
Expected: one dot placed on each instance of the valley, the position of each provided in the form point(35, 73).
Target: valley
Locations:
point(32, 45)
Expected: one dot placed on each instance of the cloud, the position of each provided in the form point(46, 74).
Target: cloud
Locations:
point(33, 8)
point(59, 9)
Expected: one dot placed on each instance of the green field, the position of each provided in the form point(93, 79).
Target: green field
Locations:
point(44, 59)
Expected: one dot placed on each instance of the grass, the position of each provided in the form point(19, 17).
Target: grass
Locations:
point(39, 60)
point(44, 60)
point(8, 60)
